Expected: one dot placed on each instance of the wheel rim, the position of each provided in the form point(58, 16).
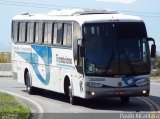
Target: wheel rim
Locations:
point(28, 88)
point(70, 95)
point(28, 83)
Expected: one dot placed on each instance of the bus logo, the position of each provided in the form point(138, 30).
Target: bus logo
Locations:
point(119, 84)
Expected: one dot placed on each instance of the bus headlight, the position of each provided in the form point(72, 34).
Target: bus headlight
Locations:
point(94, 85)
point(143, 83)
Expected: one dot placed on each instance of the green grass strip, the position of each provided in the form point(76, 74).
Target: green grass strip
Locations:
point(10, 108)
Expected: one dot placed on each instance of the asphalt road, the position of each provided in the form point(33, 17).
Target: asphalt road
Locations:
point(50, 102)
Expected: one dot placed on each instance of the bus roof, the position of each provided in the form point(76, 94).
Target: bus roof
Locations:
point(79, 15)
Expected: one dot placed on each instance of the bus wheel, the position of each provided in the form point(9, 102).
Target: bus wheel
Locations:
point(72, 99)
point(28, 84)
point(125, 99)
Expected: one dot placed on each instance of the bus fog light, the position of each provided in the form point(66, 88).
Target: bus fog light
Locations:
point(92, 93)
point(144, 92)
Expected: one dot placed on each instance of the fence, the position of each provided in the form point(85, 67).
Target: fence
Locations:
point(5, 57)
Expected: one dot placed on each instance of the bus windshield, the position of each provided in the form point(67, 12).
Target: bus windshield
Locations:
point(118, 48)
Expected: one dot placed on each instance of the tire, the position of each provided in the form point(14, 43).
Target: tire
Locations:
point(29, 87)
point(72, 99)
point(124, 99)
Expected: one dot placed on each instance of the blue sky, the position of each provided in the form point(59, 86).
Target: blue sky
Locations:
point(148, 10)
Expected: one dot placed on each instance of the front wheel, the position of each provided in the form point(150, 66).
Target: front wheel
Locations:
point(72, 99)
point(30, 88)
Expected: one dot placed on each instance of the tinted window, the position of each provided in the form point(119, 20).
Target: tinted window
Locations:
point(15, 31)
point(127, 30)
point(30, 32)
point(38, 32)
point(22, 32)
point(55, 34)
point(48, 33)
point(116, 49)
point(67, 35)
point(59, 33)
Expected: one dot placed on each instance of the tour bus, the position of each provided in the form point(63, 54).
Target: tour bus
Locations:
point(82, 53)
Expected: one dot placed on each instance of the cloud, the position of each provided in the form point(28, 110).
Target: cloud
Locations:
point(118, 1)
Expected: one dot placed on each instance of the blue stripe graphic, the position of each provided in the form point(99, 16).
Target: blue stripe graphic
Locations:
point(46, 55)
point(132, 79)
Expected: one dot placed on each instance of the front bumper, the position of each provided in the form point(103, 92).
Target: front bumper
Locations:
point(116, 92)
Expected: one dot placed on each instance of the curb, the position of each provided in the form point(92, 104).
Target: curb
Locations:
point(5, 73)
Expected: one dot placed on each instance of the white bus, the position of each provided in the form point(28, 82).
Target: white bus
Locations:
point(82, 53)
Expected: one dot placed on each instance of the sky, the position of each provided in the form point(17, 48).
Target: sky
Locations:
point(148, 10)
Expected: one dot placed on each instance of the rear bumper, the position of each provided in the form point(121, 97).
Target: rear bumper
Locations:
point(118, 92)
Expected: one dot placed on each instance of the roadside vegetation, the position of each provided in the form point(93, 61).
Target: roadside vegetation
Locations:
point(10, 108)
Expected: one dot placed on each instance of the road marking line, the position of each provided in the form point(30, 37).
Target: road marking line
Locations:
point(148, 103)
point(153, 103)
point(41, 111)
point(153, 106)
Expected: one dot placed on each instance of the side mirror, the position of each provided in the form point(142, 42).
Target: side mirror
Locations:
point(153, 47)
point(153, 51)
point(82, 51)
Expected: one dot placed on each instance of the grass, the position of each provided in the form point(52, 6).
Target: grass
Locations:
point(10, 108)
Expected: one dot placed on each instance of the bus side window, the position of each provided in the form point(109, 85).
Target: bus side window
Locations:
point(45, 33)
point(38, 32)
point(67, 35)
point(19, 32)
point(55, 33)
point(15, 31)
point(22, 32)
point(48, 32)
point(59, 34)
point(30, 32)
point(32, 37)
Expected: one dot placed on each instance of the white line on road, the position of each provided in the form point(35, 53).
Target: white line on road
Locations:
point(148, 103)
point(153, 106)
point(35, 103)
point(155, 83)
point(153, 103)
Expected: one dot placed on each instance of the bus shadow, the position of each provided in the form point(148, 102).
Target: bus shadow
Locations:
point(135, 104)
point(112, 104)
point(115, 104)
point(50, 94)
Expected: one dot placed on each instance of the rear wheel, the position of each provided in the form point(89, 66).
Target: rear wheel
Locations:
point(68, 90)
point(30, 88)
point(125, 99)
